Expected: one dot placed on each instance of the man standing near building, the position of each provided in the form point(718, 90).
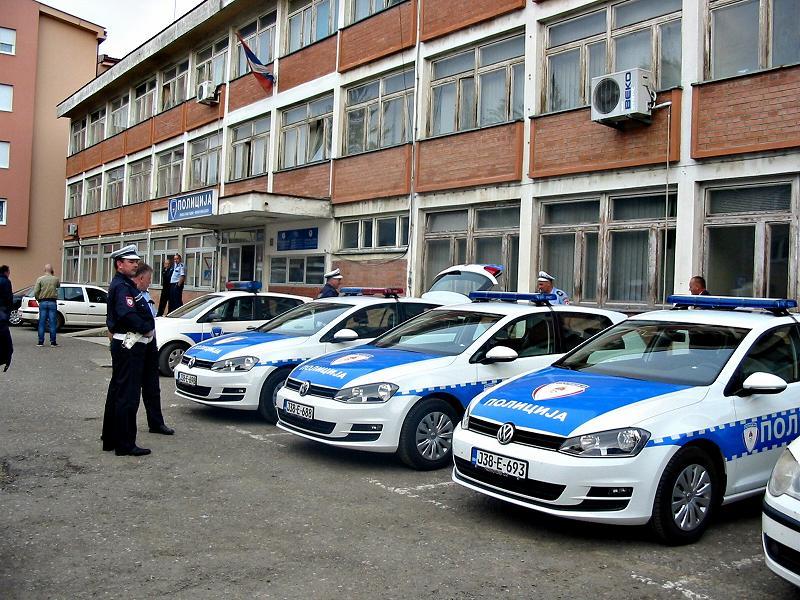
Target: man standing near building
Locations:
point(176, 281)
point(45, 290)
point(166, 286)
point(333, 279)
point(697, 286)
point(6, 306)
point(545, 283)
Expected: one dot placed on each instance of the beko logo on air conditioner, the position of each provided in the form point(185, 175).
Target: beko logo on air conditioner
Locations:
point(628, 89)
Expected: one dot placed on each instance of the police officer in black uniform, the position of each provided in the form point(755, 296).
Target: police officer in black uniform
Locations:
point(131, 323)
point(333, 279)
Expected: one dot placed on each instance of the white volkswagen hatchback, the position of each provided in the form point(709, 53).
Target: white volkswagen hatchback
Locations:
point(781, 516)
point(78, 305)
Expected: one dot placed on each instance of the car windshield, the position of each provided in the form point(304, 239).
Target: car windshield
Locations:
point(442, 332)
point(306, 319)
point(195, 307)
point(461, 282)
point(679, 353)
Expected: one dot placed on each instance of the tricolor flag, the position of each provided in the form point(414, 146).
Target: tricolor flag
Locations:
point(261, 73)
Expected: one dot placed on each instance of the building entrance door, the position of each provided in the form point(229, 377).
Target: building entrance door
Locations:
point(242, 255)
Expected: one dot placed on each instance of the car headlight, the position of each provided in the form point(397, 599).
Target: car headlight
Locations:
point(240, 363)
point(372, 392)
point(785, 476)
point(465, 418)
point(612, 444)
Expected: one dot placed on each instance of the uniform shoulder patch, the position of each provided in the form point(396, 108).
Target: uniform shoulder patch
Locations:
point(129, 301)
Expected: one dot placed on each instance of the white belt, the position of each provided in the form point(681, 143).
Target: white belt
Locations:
point(142, 340)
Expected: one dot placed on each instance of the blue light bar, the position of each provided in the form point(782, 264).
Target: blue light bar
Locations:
point(728, 302)
point(512, 297)
point(243, 286)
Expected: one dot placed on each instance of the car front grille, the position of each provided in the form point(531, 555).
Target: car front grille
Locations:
point(194, 390)
point(198, 363)
point(320, 391)
point(529, 488)
point(521, 436)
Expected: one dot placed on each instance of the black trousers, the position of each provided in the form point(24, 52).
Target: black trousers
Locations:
point(6, 345)
point(175, 296)
point(166, 290)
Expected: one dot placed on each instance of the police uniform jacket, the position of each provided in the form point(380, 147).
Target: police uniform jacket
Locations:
point(328, 291)
point(561, 296)
point(128, 310)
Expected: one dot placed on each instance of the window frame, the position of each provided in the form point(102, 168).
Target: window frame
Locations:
point(144, 100)
point(203, 160)
point(310, 37)
point(77, 135)
point(96, 130)
point(167, 170)
point(374, 9)
point(74, 205)
point(114, 189)
point(3, 211)
point(286, 264)
point(139, 180)
point(90, 261)
point(174, 85)
point(93, 193)
point(5, 161)
point(206, 66)
point(12, 45)
point(195, 255)
point(265, 24)
point(246, 143)
point(161, 248)
point(302, 127)
point(399, 230)
point(118, 105)
point(71, 253)
point(10, 88)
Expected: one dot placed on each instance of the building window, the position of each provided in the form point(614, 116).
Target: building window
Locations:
point(250, 148)
point(752, 34)
point(306, 133)
point(89, 263)
point(5, 154)
point(482, 86)
point(310, 21)
point(748, 235)
point(205, 160)
point(97, 126)
point(93, 187)
point(77, 140)
point(115, 180)
point(260, 38)
point(380, 113)
point(139, 180)
point(480, 235)
point(163, 249)
point(379, 232)
point(107, 269)
point(211, 63)
point(173, 86)
point(74, 196)
point(119, 115)
point(8, 41)
point(361, 9)
point(297, 269)
point(169, 175)
point(199, 260)
point(71, 262)
point(144, 98)
point(635, 33)
point(3, 204)
point(6, 97)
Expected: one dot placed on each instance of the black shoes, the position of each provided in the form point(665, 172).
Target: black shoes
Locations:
point(135, 451)
point(162, 429)
point(53, 344)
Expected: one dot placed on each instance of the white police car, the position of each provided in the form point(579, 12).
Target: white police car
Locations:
point(659, 419)
point(244, 371)
point(781, 516)
point(240, 308)
point(405, 391)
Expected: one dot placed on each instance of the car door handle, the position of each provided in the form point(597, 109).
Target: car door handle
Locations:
point(92, 306)
point(61, 304)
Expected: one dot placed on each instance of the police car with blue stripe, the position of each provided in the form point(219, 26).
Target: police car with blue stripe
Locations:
point(243, 306)
point(659, 419)
point(781, 516)
point(405, 391)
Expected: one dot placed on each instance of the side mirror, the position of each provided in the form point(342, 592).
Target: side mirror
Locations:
point(762, 383)
point(251, 328)
point(500, 354)
point(345, 335)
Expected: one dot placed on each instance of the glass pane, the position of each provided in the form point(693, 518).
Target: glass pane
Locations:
point(366, 233)
point(500, 51)
point(399, 82)
point(404, 231)
point(564, 81)
point(670, 54)
point(642, 207)
point(493, 218)
point(454, 64)
point(374, 123)
point(295, 115)
point(295, 32)
point(259, 155)
point(437, 258)
point(361, 9)
point(628, 264)
point(467, 112)
point(494, 97)
point(666, 266)
point(323, 106)
point(637, 11)
point(518, 91)
point(277, 270)
point(444, 109)
point(778, 268)
point(770, 198)
point(577, 29)
point(785, 26)
point(447, 221)
point(297, 270)
point(597, 62)
point(734, 39)
point(633, 50)
point(393, 122)
point(387, 232)
point(558, 259)
point(570, 213)
point(362, 93)
point(315, 268)
point(323, 20)
point(350, 235)
point(589, 267)
point(512, 273)
point(731, 260)
point(461, 251)
point(290, 148)
point(489, 250)
point(355, 131)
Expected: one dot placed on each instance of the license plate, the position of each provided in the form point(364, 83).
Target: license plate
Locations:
point(187, 379)
point(497, 463)
point(299, 410)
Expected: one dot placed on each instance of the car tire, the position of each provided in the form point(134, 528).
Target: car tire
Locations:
point(266, 401)
point(169, 357)
point(686, 497)
point(59, 321)
point(426, 438)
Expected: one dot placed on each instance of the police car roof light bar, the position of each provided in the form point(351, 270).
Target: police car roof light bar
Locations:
point(243, 286)
point(777, 306)
point(494, 270)
point(512, 297)
point(367, 291)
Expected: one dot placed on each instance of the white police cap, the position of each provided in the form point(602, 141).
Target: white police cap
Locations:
point(545, 276)
point(335, 274)
point(128, 251)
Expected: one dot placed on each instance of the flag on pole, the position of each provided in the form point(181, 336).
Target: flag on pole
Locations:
point(261, 73)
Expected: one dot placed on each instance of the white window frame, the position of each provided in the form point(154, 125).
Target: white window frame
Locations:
point(287, 261)
point(114, 188)
point(371, 223)
point(10, 106)
point(174, 84)
point(205, 161)
point(166, 176)
point(8, 41)
point(120, 115)
point(71, 272)
point(162, 248)
point(74, 200)
point(139, 176)
point(242, 158)
point(94, 194)
point(90, 261)
point(306, 12)
point(3, 211)
point(372, 7)
point(5, 155)
point(106, 269)
point(96, 131)
point(213, 66)
point(144, 100)
point(300, 129)
point(195, 255)
point(259, 35)
point(77, 135)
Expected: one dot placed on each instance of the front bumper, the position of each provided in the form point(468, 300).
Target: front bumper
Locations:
point(237, 390)
point(780, 522)
point(586, 489)
point(374, 427)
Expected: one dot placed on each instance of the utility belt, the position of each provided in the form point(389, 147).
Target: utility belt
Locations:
point(131, 338)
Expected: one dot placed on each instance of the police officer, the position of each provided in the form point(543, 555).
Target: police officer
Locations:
point(132, 326)
point(333, 279)
point(545, 282)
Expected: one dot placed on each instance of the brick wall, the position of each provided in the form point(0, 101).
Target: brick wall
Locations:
point(489, 155)
point(139, 136)
point(254, 184)
point(750, 113)
point(306, 182)
point(135, 217)
point(113, 148)
point(169, 123)
point(75, 164)
point(110, 221)
point(380, 35)
point(308, 64)
point(383, 272)
point(440, 17)
point(93, 156)
point(201, 114)
point(246, 90)
point(570, 142)
point(309, 291)
point(353, 179)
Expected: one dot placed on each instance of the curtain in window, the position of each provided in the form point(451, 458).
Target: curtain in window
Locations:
point(437, 258)
point(564, 81)
point(558, 259)
point(633, 50)
point(494, 97)
point(444, 109)
point(466, 109)
point(734, 39)
point(730, 260)
point(355, 131)
point(628, 278)
point(589, 266)
point(393, 122)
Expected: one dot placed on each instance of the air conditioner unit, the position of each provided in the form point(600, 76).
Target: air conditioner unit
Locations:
point(207, 93)
point(72, 229)
point(622, 96)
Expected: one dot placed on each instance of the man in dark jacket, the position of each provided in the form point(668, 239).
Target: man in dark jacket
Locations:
point(333, 279)
point(6, 306)
point(166, 286)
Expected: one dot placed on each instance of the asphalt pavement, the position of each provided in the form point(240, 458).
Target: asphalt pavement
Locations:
point(232, 507)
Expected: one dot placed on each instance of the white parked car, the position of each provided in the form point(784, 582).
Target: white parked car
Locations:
point(78, 305)
point(781, 516)
point(240, 308)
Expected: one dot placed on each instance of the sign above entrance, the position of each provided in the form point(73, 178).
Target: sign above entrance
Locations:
point(196, 204)
point(299, 239)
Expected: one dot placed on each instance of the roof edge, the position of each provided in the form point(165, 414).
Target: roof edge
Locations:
point(99, 30)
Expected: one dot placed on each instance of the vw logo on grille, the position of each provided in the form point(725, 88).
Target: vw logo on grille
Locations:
point(505, 433)
point(191, 361)
point(304, 387)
